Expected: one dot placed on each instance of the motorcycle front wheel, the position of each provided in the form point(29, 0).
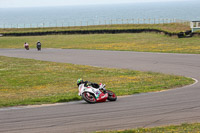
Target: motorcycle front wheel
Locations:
point(88, 97)
point(111, 95)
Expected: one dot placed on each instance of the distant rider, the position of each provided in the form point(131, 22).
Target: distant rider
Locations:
point(26, 46)
point(39, 45)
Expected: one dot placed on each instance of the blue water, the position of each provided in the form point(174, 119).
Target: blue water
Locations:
point(97, 14)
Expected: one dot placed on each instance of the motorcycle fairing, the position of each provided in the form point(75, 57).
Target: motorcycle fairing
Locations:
point(100, 97)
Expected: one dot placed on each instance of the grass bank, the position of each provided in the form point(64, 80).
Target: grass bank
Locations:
point(27, 81)
point(171, 28)
point(142, 42)
point(184, 128)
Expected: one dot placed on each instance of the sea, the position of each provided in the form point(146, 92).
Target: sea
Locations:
point(99, 14)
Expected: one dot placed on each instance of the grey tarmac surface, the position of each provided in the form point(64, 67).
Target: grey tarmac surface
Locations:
point(174, 106)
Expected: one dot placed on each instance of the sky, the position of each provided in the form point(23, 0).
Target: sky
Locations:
point(46, 3)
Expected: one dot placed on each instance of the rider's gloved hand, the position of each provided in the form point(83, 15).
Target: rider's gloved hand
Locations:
point(102, 86)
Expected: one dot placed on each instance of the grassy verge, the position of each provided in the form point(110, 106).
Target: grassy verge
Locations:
point(144, 42)
point(184, 128)
point(172, 28)
point(26, 81)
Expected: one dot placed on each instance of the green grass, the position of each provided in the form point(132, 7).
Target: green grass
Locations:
point(172, 28)
point(184, 128)
point(27, 81)
point(145, 42)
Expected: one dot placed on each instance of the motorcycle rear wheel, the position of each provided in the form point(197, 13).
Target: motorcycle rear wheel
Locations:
point(111, 95)
point(88, 97)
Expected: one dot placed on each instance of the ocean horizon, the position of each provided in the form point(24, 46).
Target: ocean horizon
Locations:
point(97, 14)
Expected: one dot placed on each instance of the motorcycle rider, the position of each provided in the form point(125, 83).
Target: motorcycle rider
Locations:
point(87, 83)
point(26, 46)
point(38, 45)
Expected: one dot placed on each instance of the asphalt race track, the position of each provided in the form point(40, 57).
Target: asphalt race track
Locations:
point(174, 106)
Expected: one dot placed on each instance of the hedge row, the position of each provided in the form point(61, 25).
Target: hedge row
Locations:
point(108, 31)
point(90, 32)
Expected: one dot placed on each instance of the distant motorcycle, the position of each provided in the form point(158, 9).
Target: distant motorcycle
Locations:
point(27, 47)
point(93, 95)
point(39, 47)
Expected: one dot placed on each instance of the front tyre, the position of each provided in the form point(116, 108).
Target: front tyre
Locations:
point(111, 95)
point(88, 97)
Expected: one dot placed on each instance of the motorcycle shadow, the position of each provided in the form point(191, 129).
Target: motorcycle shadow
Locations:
point(107, 101)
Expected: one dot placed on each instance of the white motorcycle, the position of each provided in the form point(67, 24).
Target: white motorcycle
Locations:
point(93, 95)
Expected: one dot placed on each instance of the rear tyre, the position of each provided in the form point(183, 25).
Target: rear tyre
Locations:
point(88, 97)
point(111, 95)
